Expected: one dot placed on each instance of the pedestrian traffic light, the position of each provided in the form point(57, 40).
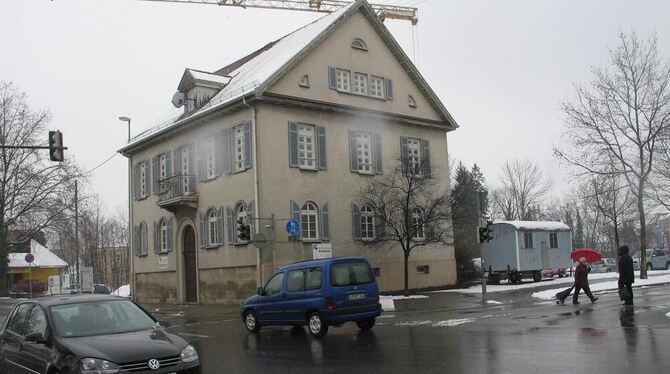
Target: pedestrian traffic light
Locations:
point(243, 230)
point(56, 146)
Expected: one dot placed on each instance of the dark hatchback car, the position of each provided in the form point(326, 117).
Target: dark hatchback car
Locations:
point(90, 334)
point(316, 293)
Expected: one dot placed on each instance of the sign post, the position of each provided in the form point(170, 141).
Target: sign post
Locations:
point(29, 259)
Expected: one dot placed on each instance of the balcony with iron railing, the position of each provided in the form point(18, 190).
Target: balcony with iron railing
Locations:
point(177, 192)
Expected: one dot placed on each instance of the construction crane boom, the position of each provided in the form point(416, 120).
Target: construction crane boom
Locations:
point(323, 6)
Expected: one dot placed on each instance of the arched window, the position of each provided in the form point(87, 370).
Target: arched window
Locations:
point(163, 227)
point(144, 246)
point(367, 223)
point(358, 43)
point(241, 219)
point(212, 222)
point(417, 224)
point(309, 221)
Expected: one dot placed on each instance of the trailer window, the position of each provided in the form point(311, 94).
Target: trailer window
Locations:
point(553, 240)
point(527, 240)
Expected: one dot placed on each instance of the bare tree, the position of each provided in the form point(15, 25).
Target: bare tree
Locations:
point(503, 205)
point(523, 187)
point(410, 209)
point(33, 190)
point(616, 125)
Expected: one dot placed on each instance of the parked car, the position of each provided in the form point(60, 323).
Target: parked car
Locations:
point(101, 289)
point(90, 334)
point(316, 293)
point(23, 286)
point(656, 259)
point(606, 265)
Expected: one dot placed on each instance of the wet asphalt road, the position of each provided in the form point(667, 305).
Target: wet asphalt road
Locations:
point(446, 333)
point(522, 337)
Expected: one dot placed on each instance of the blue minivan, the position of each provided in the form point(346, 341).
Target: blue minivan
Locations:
point(316, 293)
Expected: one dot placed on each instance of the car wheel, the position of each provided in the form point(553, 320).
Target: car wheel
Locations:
point(317, 326)
point(250, 322)
point(667, 265)
point(366, 324)
point(650, 267)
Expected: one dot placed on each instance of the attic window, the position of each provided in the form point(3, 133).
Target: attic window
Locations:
point(304, 82)
point(411, 102)
point(358, 43)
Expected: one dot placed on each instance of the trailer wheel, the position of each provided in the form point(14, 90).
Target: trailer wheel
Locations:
point(537, 276)
point(494, 278)
point(514, 277)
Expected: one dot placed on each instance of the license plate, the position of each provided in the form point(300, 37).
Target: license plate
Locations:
point(356, 296)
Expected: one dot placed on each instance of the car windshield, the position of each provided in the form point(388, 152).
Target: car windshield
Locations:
point(99, 318)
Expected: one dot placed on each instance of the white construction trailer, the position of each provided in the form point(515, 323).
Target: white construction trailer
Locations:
point(521, 249)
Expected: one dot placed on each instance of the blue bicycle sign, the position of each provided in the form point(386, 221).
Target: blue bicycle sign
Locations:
point(293, 227)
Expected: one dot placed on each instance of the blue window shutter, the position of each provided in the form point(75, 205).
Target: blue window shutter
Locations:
point(380, 226)
point(378, 152)
point(356, 221)
point(321, 131)
point(389, 89)
point(154, 174)
point(247, 145)
point(332, 78)
point(230, 225)
point(403, 154)
point(325, 225)
point(425, 157)
point(136, 181)
point(156, 237)
point(169, 235)
point(219, 154)
point(202, 230)
point(219, 222)
point(293, 145)
point(226, 152)
point(136, 247)
point(353, 155)
point(168, 164)
point(147, 179)
point(250, 217)
point(295, 214)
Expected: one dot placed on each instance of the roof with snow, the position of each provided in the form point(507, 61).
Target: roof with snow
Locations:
point(537, 225)
point(44, 258)
point(257, 71)
point(202, 77)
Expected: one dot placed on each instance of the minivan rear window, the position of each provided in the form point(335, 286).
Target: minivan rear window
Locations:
point(350, 274)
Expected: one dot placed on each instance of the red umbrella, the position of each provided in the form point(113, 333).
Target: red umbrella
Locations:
point(590, 254)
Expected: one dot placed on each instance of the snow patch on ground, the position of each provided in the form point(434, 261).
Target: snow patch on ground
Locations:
point(668, 315)
point(389, 305)
point(122, 291)
point(453, 322)
point(493, 302)
point(606, 286)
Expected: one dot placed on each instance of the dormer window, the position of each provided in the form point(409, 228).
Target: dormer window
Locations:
point(358, 43)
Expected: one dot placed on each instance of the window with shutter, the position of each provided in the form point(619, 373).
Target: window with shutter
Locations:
point(306, 147)
point(367, 223)
point(377, 87)
point(309, 221)
point(417, 225)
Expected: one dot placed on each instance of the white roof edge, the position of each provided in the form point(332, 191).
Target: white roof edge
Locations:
point(537, 225)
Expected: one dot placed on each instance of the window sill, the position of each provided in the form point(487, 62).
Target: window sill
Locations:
point(369, 96)
point(303, 168)
point(310, 240)
point(142, 255)
point(369, 173)
point(213, 246)
point(241, 243)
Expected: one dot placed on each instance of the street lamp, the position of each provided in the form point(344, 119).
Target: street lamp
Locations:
point(130, 214)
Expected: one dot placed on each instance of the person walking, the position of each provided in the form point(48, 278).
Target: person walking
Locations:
point(582, 281)
point(626, 276)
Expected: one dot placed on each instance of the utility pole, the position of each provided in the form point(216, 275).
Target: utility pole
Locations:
point(76, 234)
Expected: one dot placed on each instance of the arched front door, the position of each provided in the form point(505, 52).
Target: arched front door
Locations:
point(190, 266)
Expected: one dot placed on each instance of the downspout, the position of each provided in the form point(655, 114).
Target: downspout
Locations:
point(254, 161)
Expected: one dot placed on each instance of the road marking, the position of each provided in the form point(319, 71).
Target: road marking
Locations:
point(194, 335)
point(386, 316)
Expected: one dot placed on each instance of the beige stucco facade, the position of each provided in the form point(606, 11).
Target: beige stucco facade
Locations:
point(230, 272)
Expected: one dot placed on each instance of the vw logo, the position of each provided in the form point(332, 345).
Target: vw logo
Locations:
point(154, 364)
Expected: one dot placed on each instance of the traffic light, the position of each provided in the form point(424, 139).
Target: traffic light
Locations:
point(489, 231)
point(56, 146)
point(483, 232)
point(243, 231)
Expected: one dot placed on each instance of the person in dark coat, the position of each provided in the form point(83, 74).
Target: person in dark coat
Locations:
point(582, 281)
point(626, 275)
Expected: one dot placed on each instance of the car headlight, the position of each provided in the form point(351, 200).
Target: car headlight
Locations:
point(189, 354)
point(97, 366)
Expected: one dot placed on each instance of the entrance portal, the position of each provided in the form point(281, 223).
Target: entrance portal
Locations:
point(190, 266)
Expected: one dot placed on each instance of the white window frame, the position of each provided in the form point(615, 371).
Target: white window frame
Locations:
point(414, 156)
point(527, 240)
point(240, 150)
point(210, 162)
point(343, 80)
point(307, 139)
point(417, 220)
point(241, 212)
point(213, 234)
point(360, 83)
point(309, 215)
point(553, 239)
point(377, 86)
point(163, 232)
point(184, 167)
point(367, 223)
point(143, 179)
point(144, 246)
point(365, 163)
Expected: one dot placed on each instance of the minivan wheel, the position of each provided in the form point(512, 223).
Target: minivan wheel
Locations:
point(650, 267)
point(366, 324)
point(250, 322)
point(316, 325)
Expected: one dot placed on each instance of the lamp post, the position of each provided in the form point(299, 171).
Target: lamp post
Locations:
point(130, 214)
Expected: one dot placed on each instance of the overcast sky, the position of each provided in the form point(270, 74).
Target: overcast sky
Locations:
point(502, 68)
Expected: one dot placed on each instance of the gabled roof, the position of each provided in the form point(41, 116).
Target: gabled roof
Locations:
point(192, 76)
point(256, 72)
point(44, 258)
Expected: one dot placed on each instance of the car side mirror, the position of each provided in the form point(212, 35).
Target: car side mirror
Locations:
point(36, 337)
point(260, 291)
point(164, 323)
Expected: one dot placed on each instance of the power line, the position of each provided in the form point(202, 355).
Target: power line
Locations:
point(99, 165)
